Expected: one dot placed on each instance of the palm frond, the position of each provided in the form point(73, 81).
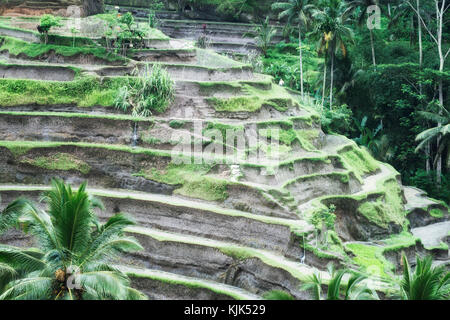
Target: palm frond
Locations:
point(334, 287)
point(314, 284)
point(105, 285)
point(33, 288)
point(108, 248)
point(20, 259)
point(431, 116)
point(7, 270)
point(133, 294)
point(109, 239)
point(71, 215)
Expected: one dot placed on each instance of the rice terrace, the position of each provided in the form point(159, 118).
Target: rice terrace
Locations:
point(224, 150)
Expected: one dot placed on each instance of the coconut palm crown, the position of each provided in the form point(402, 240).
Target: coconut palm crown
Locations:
point(74, 254)
point(426, 282)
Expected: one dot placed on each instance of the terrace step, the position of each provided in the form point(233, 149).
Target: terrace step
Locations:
point(212, 259)
point(160, 285)
point(420, 208)
point(191, 218)
point(433, 235)
point(245, 267)
point(116, 129)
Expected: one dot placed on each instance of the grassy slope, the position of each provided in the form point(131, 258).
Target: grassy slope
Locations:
point(33, 50)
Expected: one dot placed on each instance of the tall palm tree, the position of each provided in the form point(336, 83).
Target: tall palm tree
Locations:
point(295, 12)
point(439, 133)
point(75, 251)
point(426, 283)
point(352, 290)
point(330, 27)
point(264, 34)
point(363, 5)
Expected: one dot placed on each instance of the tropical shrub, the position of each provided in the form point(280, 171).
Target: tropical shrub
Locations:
point(47, 22)
point(426, 283)
point(264, 34)
point(74, 260)
point(148, 93)
point(353, 289)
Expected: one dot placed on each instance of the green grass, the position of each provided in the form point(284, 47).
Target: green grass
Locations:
point(388, 208)
point(277, 98)
point(59, 161)
point(191, 179)
point(359, 160)
point(212, 127)
point(118, 117)
point(34, 50)
point(399, 241)
point(83, 92)
point(176, 124)
point(370, 258)
point(183, 281)
point(437, 213)
point(209, 58)
point(277, 295)
point(18, 148)
point(307, 137)
point(149, 139)
point(286, 137)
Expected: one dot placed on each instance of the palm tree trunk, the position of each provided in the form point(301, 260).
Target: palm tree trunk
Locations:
point(301, 58)
point(419, 30)
point(324, 80)
point(420, 36)
point(440, 14)
point(373, 48)
point(332, 77)
point(439, 155)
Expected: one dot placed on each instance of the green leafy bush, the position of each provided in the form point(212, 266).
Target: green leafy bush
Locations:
point(337, 119)
point(47, 22)
point(427, 181)
point(149, 93)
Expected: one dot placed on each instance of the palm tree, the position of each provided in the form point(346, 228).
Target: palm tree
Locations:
point(361, 15)
point(264, 34)
point(75, 251)
point(439, 133)
point(352, 290)
point(426, 283)
point(295, 12)
point(331, 30)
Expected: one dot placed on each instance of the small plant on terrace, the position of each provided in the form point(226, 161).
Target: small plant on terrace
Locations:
point(203, 42)
point(47, 22)
point(149, 93)
point(323, 220)
point(74, 31)
point(153, 21)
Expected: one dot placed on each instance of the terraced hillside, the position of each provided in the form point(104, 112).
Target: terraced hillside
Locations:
point(223, 37)
point(214, 224)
